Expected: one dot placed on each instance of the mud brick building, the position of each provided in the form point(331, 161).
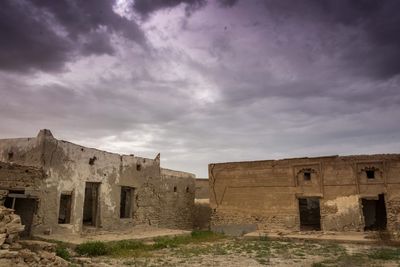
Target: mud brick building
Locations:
point(60, 187)
point(334, 193)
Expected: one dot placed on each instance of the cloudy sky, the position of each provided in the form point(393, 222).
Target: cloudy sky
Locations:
point(204, 81)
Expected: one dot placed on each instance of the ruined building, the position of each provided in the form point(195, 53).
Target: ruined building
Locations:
point(60, 187)
point(335, 193)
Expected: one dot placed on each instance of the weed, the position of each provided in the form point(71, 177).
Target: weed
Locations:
point(205, 236)
point(385, 254)
point(62, 252)
point(92, 248)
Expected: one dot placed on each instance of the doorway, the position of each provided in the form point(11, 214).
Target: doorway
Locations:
point(91, 204)
point(374, 211)
point(310, 215)
point(25, 208)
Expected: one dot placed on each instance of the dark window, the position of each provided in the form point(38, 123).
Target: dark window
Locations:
point(307, 176)
point(64, 214)
point(187, 189)
point(175, 188)
point(370, 174)
point(126, 202)
point(138, 167)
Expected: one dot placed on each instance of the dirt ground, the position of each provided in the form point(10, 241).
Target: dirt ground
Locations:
point(137, 232)
point(263, 252)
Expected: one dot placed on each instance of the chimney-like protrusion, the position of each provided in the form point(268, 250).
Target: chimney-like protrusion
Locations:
point(45, 133)
point(157, 158)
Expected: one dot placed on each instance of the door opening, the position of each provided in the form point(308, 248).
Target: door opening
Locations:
point(25, 208)
point(91, 204)
point(374, 211)
point(125, 210)
point(310, 216)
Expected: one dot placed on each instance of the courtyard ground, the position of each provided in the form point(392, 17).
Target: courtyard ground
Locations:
point(208, 249)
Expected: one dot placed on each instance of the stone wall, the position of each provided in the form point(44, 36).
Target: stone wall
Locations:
point(67, 167)
point(266, 193)
point(27, 252)
point(202, 210)
point(202, 189)
point(177, 194)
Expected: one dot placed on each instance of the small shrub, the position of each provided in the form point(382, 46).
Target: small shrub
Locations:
point(92, 248)
point(62, 252)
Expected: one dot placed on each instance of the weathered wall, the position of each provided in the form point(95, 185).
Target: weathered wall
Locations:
point(265, 193)
point(202, 210)
point(177, 194)
point(67, 167)
point(202, 189)
point(23, 178)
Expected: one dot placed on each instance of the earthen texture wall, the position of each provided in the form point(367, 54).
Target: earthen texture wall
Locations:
point(202, 210)
point(66, 167)
point(265, 193)
point(177, 194)
point(202, 189)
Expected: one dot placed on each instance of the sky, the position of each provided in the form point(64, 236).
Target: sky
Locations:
point(204, 81)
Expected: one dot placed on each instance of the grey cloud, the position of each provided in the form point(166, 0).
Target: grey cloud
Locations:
point(227, 3)
point(287, 79)
point(378, 19)
point(44, 34)
point(146, 7)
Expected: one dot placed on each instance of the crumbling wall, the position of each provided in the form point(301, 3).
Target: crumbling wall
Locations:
point(259, 193)
point(177, 194)
point(266, 193)
point(202, 209)
point(71, 166)
point(67, 168)
point(20, 177)
point(24, 253)
point(27, 181)
point(202, 189)
point(342, 214)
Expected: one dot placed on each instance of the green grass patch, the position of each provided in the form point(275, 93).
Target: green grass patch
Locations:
point(134, 248)
point(92, 248)
point(385, 254)
point(62, 252)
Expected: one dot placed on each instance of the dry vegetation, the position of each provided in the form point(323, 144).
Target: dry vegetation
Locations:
point(208, 249)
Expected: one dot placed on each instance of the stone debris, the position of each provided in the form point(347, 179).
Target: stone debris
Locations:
point(25, 252)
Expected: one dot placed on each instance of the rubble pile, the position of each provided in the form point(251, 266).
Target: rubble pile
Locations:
point(26, 252)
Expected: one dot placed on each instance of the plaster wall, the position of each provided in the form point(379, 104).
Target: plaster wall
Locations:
point(67, 168)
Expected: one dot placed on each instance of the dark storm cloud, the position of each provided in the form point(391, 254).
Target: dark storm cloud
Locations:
point(380, 54)
point(45, 34)
point(227, 3)
point(243, 80)
point(145, 7)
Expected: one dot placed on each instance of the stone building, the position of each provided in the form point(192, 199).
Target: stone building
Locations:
point(60, 187)
point(334, 193)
